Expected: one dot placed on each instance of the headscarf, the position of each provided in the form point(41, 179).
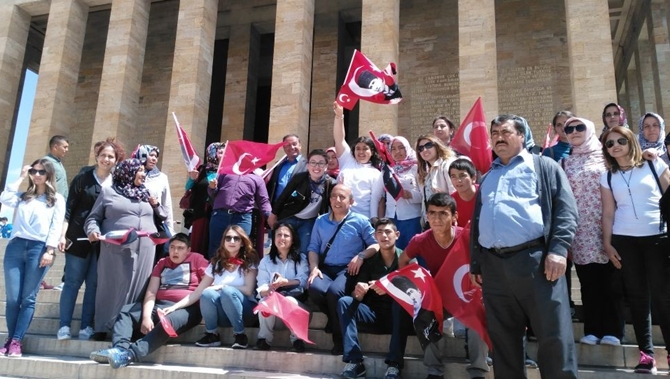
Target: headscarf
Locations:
point(334, 173)
point(623, 121)
point(659, 144)
point(591, 141)
point(528, 141)
point(212, 157)
point(123, 180)
point(142, 153)
point(406, 164)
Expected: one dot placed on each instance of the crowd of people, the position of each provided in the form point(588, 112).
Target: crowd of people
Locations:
point(588, 200)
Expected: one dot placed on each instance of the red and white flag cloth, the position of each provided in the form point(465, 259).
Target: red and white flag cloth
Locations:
point(165, 322)
point(390, 178)
point(191, 158)
point(472, 138)
point(367, 82)
point(294, 317)
point(460, 297)
point(414, 289)
point(243, 157)
point(550, 139)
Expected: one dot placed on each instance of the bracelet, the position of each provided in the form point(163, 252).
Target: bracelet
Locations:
point(361, 255)
point(339, 117)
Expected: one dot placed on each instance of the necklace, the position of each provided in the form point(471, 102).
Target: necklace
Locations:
point(630, 175)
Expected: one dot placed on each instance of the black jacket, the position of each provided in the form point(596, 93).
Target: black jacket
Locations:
point(84, 190)
point(297, 195)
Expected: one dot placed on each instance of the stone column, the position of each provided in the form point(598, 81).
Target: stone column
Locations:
point(54, 110)
point(590, 56)
point(478, 62)
point(645, 54)
point(291, 70)
point(189, 88)
point(639, 80)
point(239, 106)
point(633, 91)
point(13, 39)
point(379, 42)
point(659, 36)
point(116, 113)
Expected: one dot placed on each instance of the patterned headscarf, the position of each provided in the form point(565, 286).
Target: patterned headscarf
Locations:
point(623, 121)
point(659, 144)
point(591, 142)
point(123, 180)
point(409, 161)
point(336, 171)
point(142, 153)
point(212, 157)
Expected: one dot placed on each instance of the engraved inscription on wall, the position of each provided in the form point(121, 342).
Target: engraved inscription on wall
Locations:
point(432, 96)
point(528, 92)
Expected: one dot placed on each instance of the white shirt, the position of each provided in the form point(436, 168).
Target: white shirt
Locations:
point(403, 209)
point(360, 178)
point(159, 188)
point(235, 278)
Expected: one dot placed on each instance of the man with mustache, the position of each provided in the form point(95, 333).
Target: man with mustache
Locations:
point(524, 221)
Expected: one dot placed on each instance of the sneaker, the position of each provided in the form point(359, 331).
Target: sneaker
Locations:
point(392, 372)
point(353, 370)
point(530, 363)
point(647, 364)
point(262, 344)
point(121, 358)
point(86, 333)
point(59, 287)
point(610, 340)
point(589, 339)
point(299, 346)
point(102, 356)
point(14, 348)
point(209, 340)
point(241, 341)
point(5, 347)
point(64, 333)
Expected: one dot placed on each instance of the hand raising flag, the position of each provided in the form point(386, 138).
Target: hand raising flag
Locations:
point(365, 81)
point(472, 138)
point(191, 158)
point(243, 157)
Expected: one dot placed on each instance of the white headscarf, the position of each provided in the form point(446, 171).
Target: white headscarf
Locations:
point(591, 141)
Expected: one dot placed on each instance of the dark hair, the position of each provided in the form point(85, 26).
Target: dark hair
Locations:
point(667, 140)
point(634, 151)
point(247, 253)
point(375, 160)
point(365, 78)
point(452, 127)
point(294, 250)
point(442, 199)
point(566, 114)
point(403, 283)
point(290, 135)
point(516, 121)
point(463, 164)
point(50, 184)
point(4, 219)
point(56, 140)
point(319, 152)
point(181, 237)
point(112, 142)
point(385, 221)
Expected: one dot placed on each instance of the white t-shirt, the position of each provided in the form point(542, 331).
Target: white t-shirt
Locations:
point(636, 194)
point(235, 278)
point(360, 178)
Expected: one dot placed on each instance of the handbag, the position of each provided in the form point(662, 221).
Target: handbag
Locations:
point(185, 201)
point(322, 257)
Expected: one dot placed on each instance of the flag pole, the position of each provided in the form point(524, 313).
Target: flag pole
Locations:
point(266, 172)
point(218, 169)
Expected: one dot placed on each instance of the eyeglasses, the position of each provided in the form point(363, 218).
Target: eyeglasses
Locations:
point(569, 129)
point(610, 115)
point(621, 141)
point(427, 145)
point(33, 171)
point(233, 238)
point(317, 164)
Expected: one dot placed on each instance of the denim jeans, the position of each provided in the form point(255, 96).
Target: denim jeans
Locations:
point(325, 292)
point(77, 271)
point(408, 229)
point(351, 312)
point(23, 276)
point(218, 223)
point(304, 229)
point(226, 307)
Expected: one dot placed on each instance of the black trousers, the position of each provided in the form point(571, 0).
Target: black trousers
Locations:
point(516, 291)
point(601, 312)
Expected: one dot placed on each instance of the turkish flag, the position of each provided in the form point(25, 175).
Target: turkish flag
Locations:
point(294, 317)
point(157, 238)
point(191, 158)
point(243, 157)
point(120, 237)
point(365, 81)
point(472, 138)
point(460, 297)
point(165, 322)
point(414, 289)
point(390, 178)
point(550, 139)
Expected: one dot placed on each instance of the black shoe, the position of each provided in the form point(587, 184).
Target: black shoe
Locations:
point(337, 349)
point(353, 370)
point(100, 336)
point(209, 340)
point(299, 346)
point(241, 341)
point(262, 344)
point(328, 328)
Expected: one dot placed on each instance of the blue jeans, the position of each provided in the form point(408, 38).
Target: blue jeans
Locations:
point(226, 307)
point(325, 292)
point(77, 271)
point(23, 276)
point(218, 223)
point(303, 228)
point(408, 229)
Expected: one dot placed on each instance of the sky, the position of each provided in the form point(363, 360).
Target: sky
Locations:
point(21, 134)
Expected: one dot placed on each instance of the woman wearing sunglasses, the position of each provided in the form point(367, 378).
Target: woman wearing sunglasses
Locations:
point(584, 167)
point(634, 237)
point(38, 219)
point(229, 302)
point(433, 159)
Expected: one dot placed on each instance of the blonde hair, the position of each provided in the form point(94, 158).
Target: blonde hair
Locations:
point(443, 152)
point(50, 184)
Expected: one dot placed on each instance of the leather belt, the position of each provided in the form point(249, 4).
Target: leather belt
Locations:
point(229, 211)
point(517, 248)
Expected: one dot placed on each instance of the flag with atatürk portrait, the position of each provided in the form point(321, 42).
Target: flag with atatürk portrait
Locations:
point(365, 81)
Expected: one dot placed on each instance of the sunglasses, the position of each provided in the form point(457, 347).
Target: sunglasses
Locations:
point(232, 238)
point(427, 145)
point(33, 171)
point(569, 129)
point(621, 141)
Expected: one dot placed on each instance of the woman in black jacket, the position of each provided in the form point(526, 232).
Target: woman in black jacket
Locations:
point(305, 197)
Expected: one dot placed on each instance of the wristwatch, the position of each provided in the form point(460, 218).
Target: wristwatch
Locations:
point(361, 255)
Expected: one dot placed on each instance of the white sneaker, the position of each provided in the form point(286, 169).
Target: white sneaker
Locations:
point(589, 340)
point(610, 340)
point(86, 334)
point(64, 333)
point(59, 287)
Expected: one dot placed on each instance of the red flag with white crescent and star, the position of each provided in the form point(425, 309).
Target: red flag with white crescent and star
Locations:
point(367, 82)
point(243, 157)
point(191, 158)
point(472, 138)
point(460, 297)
